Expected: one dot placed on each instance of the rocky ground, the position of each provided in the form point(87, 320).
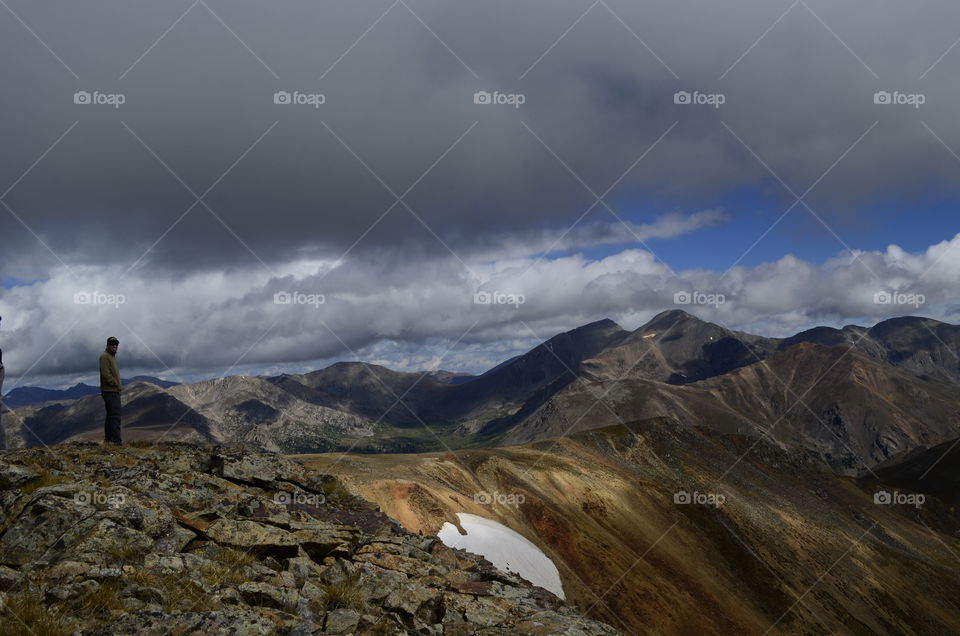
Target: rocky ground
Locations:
point(189, 539)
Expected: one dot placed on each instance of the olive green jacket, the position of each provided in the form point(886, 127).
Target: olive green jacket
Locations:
point(109, 373)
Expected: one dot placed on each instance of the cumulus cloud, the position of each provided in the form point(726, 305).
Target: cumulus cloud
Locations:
point(433, 313)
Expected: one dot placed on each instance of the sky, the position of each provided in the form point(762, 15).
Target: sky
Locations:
point(235, 187)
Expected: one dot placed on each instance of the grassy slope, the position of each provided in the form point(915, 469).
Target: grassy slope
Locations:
point(792, 546)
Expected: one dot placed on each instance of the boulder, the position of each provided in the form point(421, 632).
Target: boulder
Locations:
point(45, 527)
point(257, 538)
point(266, 595)
point(341, 621)
point(416, 600)
point(14, 475)
point(321, 540)
point(302, 569)
point(109, 542)
point(9, 578)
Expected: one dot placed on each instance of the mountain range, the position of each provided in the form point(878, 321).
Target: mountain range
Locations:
point(27, 395)
point(683, 477)
point(856, 396)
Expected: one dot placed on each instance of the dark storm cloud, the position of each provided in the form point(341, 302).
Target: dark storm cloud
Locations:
point(199, 198)
point(289, 180)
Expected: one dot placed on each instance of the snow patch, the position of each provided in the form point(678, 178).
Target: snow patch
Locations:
point(505, 548)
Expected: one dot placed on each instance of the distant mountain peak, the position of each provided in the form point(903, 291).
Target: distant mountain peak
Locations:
point(670, 318)
point(604, 330)
point(604, 323)
point(900, 322)
point(603, 326)
point(673, 314)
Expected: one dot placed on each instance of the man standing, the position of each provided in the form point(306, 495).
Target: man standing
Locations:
point(110, 390)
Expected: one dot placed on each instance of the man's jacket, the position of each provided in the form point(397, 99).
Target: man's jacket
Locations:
point(109, 373)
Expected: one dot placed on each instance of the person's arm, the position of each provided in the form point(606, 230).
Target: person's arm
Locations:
point(104, 371)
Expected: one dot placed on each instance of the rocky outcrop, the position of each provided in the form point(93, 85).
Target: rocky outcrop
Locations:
point(180, 538)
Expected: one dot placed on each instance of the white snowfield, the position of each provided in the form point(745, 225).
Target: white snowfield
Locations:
point(506, 549)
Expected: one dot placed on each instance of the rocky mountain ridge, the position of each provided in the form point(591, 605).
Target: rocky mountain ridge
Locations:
point(664, 528)
point(28, 395)
point(857, 396)
point(180, 538)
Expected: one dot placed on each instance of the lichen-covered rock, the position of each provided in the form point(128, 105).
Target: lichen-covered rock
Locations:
point(110, 538)
point(9, 578)
point(341, 621)
point(234, 622)
point(266, 595)
point(50, 522)
point(321, 540)
point(399, 556)
point(416, 600)
point(13, 475)
point(258, 538)
point(181, 538)
point(146, 594)
point(72, 590)
point(303, 569)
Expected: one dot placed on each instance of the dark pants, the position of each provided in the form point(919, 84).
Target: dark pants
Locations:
point(111, 425)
